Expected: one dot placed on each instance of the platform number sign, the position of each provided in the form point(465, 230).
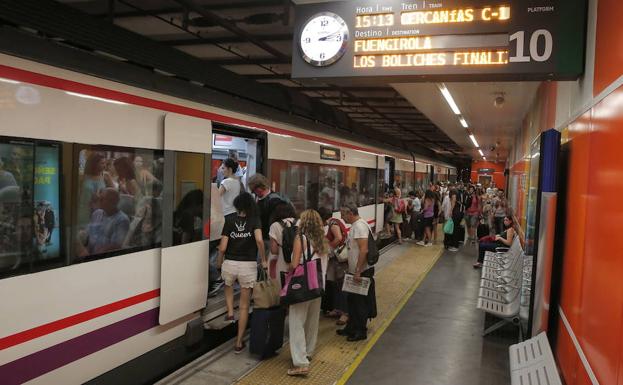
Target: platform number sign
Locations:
point(440, 40)
point(540, 47)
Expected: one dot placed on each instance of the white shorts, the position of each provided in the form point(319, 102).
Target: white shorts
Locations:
point(245, 272)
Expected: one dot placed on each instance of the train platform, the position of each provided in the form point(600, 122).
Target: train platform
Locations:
point(427, 330)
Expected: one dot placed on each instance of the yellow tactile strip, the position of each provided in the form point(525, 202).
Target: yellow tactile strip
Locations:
point(334, 355)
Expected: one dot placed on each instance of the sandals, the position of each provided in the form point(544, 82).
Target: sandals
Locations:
point(298, 371)
point(342, 321)
point(239, 349)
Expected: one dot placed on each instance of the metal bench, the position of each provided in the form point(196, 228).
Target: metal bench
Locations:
point(500, 292)
point(532, 362)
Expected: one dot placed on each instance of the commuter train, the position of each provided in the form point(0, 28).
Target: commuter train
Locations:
point(104, 234)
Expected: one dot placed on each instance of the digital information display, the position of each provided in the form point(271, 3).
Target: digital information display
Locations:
point(330, 153)
point(440, 40)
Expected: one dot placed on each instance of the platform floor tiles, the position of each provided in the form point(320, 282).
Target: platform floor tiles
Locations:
point(437, 337)
point(428, 332)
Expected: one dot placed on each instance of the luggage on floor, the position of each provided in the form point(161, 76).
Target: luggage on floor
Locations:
point(459, 232)
point(418, 226)
point(406, 228)
point(482, 230)
point(267, 326)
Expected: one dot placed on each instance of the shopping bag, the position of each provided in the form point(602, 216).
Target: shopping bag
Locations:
point(448, 227)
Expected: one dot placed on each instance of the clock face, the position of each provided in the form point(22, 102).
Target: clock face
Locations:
point(323, 39)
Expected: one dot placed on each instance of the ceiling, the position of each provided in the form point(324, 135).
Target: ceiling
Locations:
point(494, 127)
point(254, 39)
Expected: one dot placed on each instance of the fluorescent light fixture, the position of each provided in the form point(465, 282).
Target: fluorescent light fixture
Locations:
point(3, 80)
point(480, 151)
point(321, 143)
point(483, 158)
point(94, 98)
point(473, 138)
point(463, 122)
point(446, 94)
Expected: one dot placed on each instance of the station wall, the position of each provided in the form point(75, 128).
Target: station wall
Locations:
point(589, 113)
point(498, 175)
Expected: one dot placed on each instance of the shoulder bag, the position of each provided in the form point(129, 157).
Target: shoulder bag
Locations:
point(305, 282)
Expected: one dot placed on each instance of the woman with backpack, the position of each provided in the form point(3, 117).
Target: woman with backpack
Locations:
point(400, 208)
point(310, 243)
point(240, 242)
point(336, 234)
point(282, 233)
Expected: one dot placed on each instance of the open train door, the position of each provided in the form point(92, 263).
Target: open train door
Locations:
point(185, 254)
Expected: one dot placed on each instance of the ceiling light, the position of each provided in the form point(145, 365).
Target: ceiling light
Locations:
point(473, 138)
point(483, 158)
point(463, 122)
point(446, 94)
point(94, 98)
point(480, 151)
point(3, 80)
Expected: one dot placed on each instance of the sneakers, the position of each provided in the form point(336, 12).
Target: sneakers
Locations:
point(215, 288)
point(421, 243)
point(230, 318)
point(453, 249)
point(429, 244)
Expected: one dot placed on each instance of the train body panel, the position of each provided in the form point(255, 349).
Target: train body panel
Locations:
point(112, 305)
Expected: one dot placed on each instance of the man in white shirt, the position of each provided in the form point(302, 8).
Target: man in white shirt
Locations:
point(359, 306)
point(230, 186)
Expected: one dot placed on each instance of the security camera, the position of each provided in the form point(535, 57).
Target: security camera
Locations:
point(499, 102)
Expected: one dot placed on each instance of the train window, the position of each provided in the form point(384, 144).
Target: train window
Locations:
point(404, 180)
point(309, 185)
point(29, 205)
point(119, 200)
point(189, 197)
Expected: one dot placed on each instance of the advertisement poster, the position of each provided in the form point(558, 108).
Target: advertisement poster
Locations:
point(47, 202)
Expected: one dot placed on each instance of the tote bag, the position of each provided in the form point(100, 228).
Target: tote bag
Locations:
point(305, 282)
point(265, 292)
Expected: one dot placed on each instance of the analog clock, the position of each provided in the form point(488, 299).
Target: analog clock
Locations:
point(323, 39)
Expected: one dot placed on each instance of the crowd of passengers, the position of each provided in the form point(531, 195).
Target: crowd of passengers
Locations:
point(253, 236)
point(476, 214)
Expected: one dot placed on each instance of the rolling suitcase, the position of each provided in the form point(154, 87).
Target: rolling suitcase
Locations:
point(267, 326)
point(459, 232)
point(406, 227)
point(418, 227)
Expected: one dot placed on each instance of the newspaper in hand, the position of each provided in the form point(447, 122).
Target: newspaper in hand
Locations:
point(351, 286)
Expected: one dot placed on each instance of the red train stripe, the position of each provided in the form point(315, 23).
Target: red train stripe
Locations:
point(86, 89)
point(64, 323)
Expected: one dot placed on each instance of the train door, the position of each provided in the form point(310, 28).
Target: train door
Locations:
point(390, 166)
point(248, 149)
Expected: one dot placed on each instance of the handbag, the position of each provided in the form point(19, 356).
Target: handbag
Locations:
point(448, 227)
point(265, 292)
point(341, 253)
point(305, 282)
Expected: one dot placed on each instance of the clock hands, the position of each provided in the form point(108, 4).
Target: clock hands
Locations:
point(330, 36)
